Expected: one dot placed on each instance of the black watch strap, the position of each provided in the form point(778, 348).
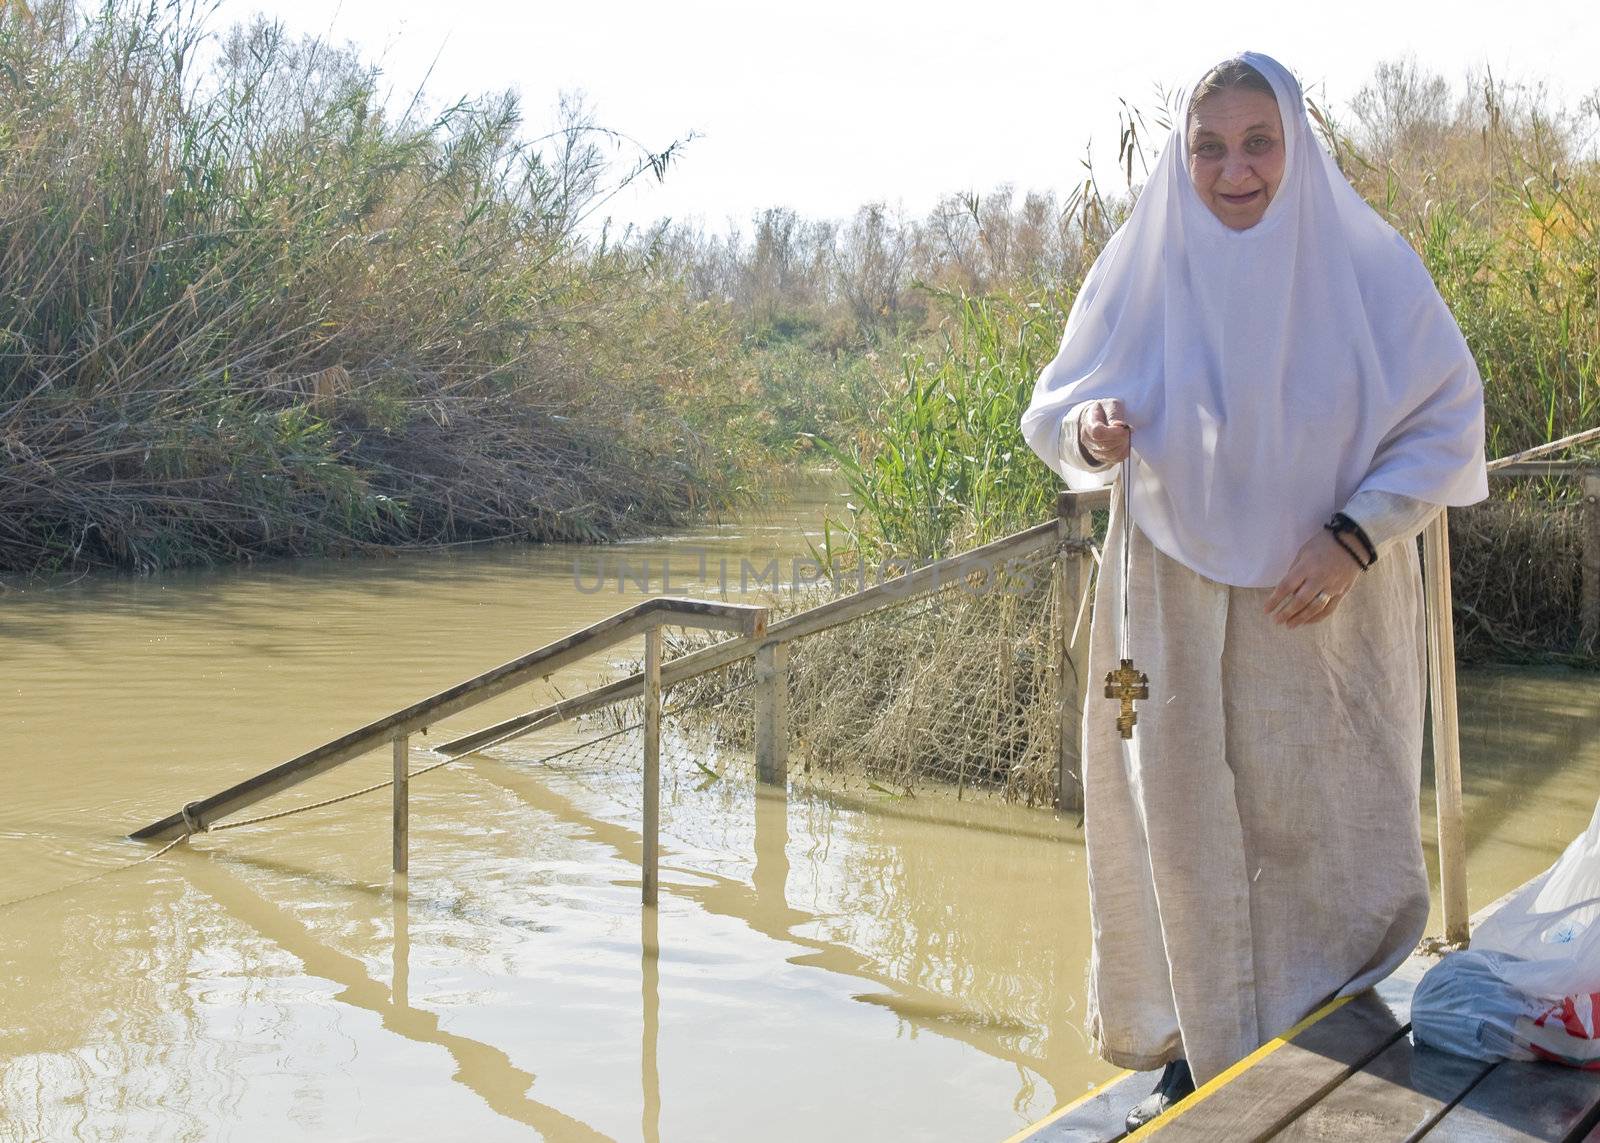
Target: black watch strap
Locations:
point(1353, 538)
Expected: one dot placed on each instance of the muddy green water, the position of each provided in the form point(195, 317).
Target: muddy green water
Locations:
point(819, 967)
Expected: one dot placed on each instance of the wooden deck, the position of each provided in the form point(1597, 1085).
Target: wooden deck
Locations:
point(1349, 1073)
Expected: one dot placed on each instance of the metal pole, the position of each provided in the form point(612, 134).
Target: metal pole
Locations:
point(402, 802)
point(1446, 736)
point(652, 759)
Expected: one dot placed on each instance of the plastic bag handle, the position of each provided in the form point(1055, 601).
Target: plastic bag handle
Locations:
point(1552, 914)
point(1542, 918)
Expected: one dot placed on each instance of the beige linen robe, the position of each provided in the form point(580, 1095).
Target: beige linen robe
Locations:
point(1255, 849)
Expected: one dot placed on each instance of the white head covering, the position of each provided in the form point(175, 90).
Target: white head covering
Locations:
point(1268, 373)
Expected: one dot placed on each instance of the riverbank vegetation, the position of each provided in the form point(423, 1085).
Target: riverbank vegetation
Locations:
point(248, 311)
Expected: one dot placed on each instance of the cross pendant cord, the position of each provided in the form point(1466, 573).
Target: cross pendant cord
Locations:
point(1127, 558)
point(1126, 683)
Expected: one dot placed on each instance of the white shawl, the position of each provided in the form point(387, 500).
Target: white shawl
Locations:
point(1268, 373)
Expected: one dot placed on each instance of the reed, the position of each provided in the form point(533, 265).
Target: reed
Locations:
point(247, 312)
point(943, 466)
point(1498, 189)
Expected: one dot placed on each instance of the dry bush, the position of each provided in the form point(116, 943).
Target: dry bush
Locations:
point(249, 313)
point(1517, 582)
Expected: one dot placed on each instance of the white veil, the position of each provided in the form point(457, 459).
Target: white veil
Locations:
point(1268, 373)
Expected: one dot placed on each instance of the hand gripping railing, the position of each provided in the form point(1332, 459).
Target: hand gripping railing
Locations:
point(747, 622)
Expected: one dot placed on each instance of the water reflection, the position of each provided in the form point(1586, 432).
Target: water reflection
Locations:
point(400, 974)
point(483, 1069)
point(650, 976)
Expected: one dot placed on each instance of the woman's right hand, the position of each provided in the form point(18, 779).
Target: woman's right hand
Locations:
point(1102, 433)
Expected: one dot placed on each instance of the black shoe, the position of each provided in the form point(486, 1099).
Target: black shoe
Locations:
point(1175, 1083)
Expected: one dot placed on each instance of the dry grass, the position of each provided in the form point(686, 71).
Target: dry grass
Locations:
point(249, 313)
point(1517, 582)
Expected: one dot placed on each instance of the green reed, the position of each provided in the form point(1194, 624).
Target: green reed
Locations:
point(944, 463)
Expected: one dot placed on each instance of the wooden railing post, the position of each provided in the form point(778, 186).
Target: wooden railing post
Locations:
point(402, 802)
point(772, 713)
point(652, 759)
point(1591, 560)
point(1446, 736)
point(1073, 525)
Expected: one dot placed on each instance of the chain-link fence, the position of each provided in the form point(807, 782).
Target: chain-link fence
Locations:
point(958, 687)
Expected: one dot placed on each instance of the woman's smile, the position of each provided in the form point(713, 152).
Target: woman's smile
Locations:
point(1236, 154)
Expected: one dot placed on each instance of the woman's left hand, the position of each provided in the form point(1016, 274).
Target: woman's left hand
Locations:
point(1315, 583)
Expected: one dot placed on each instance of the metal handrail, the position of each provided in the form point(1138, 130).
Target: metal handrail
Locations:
point(645, 617)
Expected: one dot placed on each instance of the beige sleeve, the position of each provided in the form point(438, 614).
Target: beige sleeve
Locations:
point(1386, 516)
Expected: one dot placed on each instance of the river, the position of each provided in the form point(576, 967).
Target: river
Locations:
point(820, 965)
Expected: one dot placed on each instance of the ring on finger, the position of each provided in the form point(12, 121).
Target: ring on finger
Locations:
point(1322, 599)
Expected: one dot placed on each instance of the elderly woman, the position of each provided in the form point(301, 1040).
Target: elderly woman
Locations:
point(1298, 402)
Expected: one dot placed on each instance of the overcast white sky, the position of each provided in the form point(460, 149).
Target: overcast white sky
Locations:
point(826, 105)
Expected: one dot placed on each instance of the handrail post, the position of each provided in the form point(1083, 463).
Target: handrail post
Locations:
point(1591, 560)
point(1446, 735)
point(772, 713)
point(402, 802)
point(652, 760)
point(1073, 524)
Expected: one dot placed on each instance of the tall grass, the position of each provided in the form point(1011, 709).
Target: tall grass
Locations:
point(246, 311)
point(944, 465)
point(1498, 188)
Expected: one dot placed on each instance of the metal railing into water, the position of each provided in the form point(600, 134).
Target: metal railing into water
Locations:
point(647, 617)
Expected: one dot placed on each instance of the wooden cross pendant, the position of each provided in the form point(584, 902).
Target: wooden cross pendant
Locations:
point(1127, 684)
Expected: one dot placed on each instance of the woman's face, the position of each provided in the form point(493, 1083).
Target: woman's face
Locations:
point(1236, 154)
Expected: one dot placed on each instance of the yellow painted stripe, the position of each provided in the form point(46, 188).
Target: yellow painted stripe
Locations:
point(1210, 1088)
point(1071, 1107)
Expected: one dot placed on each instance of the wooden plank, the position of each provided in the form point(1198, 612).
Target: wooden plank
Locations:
point(1521, 1103)
point(772, 713)
point(936, 576)
point(614, 629)
point(1397, 1096)
point(1269, 1088)
point(402, 802)
point(1300, 1086)
point(1541, 468)
point(652, 763)
point(1446, 736)
point(1095, 1117)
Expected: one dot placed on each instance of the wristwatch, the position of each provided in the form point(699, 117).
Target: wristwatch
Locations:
point(1361, 548)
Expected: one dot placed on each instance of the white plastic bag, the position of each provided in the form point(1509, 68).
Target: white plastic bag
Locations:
point(1463, 1005)
point(1553, 925)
